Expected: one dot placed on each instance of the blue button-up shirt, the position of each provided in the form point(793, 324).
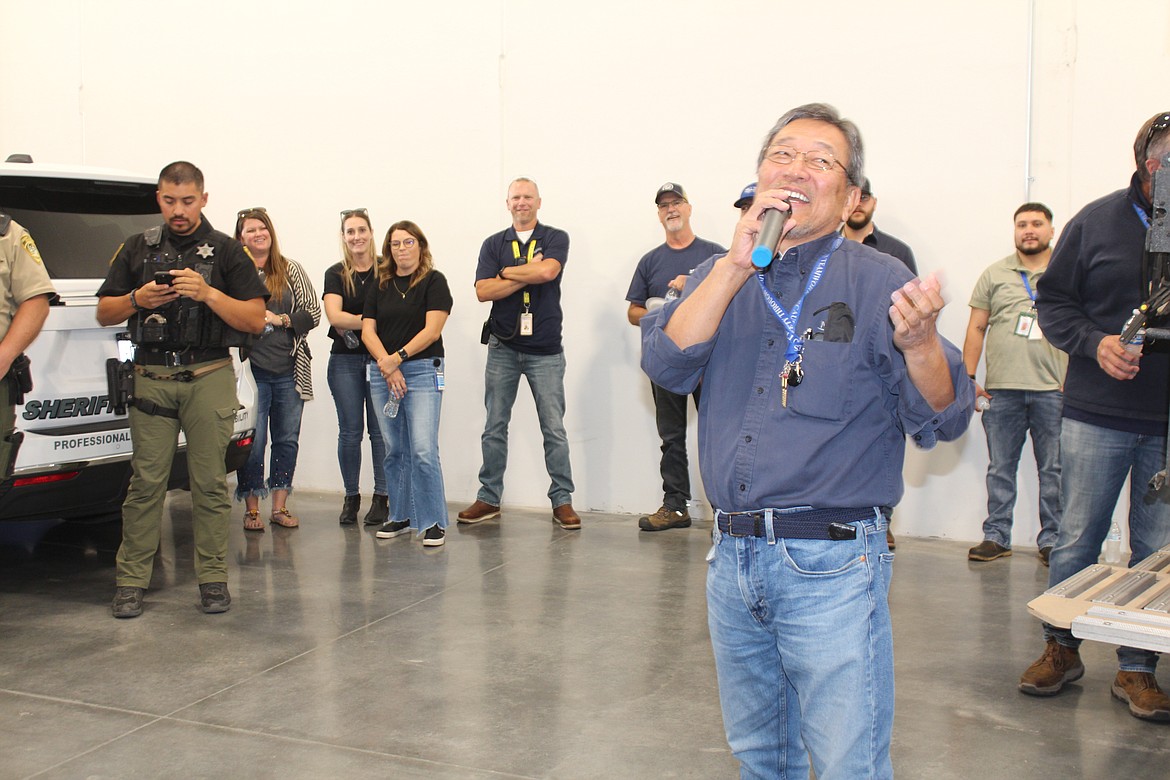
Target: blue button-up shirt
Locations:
point(842, 437)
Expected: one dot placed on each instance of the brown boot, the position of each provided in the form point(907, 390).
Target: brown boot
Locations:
point(1140, 690)
point(1058, 665)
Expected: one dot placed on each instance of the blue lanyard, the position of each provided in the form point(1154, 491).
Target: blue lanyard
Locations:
point(1028, 287)
point(790, 319)
point(1141, 214)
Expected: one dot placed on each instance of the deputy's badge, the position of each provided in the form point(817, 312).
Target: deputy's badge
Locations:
point(205, 251)
point(30, 246)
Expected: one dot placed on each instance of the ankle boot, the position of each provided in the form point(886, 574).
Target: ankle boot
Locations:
point(379, 510)
point(349, 510)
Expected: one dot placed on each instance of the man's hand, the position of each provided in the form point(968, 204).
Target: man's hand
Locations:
point(1115, 360)
point(750, 224)
point(189, 283)
point(980, 393)
point(915, 310)
point(152, 295)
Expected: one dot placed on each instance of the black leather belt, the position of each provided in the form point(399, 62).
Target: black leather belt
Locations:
point(144, 356)
point(806, 524)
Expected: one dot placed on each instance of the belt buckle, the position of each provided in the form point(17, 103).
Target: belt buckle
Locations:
point(172, 359)
point(731, 524)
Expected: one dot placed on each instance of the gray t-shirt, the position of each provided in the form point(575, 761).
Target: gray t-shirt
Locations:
point(272, 352)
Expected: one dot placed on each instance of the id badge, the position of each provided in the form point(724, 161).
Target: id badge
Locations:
point(526, 324)
point(1026, 323)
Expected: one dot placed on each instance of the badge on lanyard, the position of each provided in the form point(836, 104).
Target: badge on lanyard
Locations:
point(526, 323)
point(1027, 325)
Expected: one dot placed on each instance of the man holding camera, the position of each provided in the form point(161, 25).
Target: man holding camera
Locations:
point(25, 290)
point(189, 292)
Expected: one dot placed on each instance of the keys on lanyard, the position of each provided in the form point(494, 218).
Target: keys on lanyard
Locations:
point(790, 376)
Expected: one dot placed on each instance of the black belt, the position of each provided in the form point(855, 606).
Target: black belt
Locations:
point(805, 524)
point(144, 356)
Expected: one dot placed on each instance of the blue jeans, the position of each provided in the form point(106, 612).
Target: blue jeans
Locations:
point(412, 442)
point(1095, 463)
point(278, 408)
point(351, 396)
point(804, 653)
point(546, 379)
point(1012, 414)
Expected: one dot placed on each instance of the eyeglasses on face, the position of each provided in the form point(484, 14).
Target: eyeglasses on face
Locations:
point(254, 210)
point(814, 159)
point(408, 243)
point(666, 205)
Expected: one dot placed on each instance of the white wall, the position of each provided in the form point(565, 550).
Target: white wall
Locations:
point(426, 111)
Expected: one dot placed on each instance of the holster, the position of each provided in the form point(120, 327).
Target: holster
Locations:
point(19, 377)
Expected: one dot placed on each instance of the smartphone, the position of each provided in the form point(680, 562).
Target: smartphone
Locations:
point(164, 277)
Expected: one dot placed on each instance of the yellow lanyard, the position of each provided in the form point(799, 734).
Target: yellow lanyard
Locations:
point(516, 255)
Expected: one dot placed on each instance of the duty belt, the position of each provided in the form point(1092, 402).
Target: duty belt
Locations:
point(146, 356)
point(804, 524)
point(185, 376)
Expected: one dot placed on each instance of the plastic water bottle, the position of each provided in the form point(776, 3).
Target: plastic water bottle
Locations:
point(391, 407)
point(267, 329)
point(1113, 545)
point(351, 339)
point(982, 404)
point(671, 294)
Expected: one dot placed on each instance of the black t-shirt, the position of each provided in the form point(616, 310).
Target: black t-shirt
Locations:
point(400, 317)
point(350, 304)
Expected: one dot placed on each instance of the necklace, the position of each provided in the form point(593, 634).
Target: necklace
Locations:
point(363, 276)
point(394, 281)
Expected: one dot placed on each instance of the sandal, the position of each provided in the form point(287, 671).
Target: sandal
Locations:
point(285, 518)
point(252, 521)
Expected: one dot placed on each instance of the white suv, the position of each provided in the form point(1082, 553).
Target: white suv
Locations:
point(75, 460)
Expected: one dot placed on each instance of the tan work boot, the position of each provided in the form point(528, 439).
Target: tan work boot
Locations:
point(1058, 665)
point(1141, 692)
point(665, 518)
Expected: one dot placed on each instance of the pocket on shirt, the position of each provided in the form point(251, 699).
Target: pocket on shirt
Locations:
point(827, 390)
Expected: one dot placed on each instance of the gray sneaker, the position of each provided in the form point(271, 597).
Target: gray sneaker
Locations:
point(665, 518)
point(214, 597)
point(127, 602)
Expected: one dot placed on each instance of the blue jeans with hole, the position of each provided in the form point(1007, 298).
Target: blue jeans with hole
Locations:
point(278, 412)
point(412, 462)
point(1012, 414)
point(1095, 463)
point(804, 653)
point(546, 379)
point(355, 411)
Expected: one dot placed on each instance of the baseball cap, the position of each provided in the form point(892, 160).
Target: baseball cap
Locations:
point(670, 187)
point(747, 196)
point(865, 190)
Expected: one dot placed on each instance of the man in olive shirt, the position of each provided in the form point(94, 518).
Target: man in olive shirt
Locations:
point(1024, 374)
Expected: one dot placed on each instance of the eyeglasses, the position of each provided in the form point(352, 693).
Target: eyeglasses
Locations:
point(866, 197)
point(408, 243)
point(666, 205)
point(350, 212)
point(254, 210)
point(816, 159)
point(1157, 126)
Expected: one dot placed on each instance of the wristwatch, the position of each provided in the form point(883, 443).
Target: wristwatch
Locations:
point(402, 354)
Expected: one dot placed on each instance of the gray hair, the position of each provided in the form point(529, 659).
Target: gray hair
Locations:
point(823, 112)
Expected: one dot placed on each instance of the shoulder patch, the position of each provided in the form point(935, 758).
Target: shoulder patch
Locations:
point(30, 246)
point(116, 251)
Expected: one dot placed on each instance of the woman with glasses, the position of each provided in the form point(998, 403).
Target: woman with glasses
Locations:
point(280, 365)
point(346, 285)
point(402, 325)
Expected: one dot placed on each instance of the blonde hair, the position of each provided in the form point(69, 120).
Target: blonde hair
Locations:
point(347, 269)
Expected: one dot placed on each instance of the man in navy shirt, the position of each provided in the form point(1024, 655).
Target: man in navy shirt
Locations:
point(520, 272)
point(661, 270)
point(811, 382)
point(1114, 413)
point(860, 227)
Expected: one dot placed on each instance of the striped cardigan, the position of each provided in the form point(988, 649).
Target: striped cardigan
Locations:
point(304, 299)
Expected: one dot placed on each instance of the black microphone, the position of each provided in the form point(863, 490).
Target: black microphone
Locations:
point(769, 237)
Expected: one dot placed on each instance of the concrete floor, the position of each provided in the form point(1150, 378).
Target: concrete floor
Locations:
point(516, 650)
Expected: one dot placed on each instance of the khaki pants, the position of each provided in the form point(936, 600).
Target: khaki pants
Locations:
point(207, 409)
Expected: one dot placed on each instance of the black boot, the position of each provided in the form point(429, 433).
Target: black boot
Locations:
point(379, 510)
point(349, 510)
